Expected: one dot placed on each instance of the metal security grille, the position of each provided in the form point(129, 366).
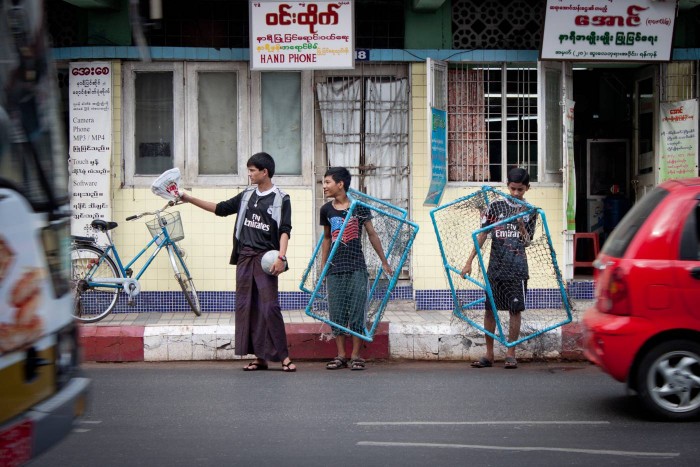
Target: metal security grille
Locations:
point(497, 24)
point(679, 81)
point(362, 124)
point(492, 119)
point(521, 119)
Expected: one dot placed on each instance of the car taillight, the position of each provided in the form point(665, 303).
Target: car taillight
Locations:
point(613, 297)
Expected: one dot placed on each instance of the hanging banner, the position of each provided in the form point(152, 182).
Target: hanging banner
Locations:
point(617, 30)
point(316, 35)
point(90, 138)
point(438, 157)
point(678, 157)
point(570, 165)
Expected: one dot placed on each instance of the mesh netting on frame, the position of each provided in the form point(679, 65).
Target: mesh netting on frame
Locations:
point(514, 270)
point(351, 291)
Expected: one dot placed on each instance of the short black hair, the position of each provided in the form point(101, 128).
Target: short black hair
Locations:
point(262, 160)
point(519, 175)
point(339, 174)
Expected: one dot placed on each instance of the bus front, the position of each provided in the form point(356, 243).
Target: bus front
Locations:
point(41, 391)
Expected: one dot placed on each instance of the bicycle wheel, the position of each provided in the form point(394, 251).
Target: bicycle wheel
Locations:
point(92, 303)
point(182, 274)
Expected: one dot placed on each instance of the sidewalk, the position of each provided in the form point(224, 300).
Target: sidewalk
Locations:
point(403, 333)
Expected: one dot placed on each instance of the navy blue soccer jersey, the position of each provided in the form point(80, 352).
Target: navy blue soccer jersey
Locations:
point(508, 259)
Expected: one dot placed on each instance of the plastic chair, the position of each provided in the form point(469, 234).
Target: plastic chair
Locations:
point(593, 237)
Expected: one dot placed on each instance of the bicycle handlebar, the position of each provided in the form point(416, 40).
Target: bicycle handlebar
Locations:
point(156, 212)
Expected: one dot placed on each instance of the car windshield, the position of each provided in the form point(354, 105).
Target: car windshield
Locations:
point(619, 240)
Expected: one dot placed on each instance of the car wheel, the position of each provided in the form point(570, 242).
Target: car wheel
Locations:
point(668, 381)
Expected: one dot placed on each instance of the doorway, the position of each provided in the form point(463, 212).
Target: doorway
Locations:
point(614, 120)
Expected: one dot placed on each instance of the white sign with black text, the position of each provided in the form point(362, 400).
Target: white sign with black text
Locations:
point(611, 30)
point(317, 35)
point(90, 138)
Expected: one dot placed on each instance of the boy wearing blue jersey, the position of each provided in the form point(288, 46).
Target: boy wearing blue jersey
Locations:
point(508, 269)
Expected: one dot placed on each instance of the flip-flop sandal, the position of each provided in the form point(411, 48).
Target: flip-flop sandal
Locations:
point(287, 368)
point(483, 362)
point(255, 366)
point(337, 363)
point(511, 363)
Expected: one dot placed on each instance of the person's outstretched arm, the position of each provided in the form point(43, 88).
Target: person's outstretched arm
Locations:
point(200, 203)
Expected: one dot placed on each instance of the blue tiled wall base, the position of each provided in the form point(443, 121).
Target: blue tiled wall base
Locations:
point(220, 302)
point(581, 290)
point(536, 298)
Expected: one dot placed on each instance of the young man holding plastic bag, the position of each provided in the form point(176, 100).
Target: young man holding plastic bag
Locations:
point(263, 223)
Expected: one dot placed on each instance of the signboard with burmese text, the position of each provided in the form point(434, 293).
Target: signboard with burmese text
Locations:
point(90, 137)
point(678, 129)
point(316, 35)
point(610, 30)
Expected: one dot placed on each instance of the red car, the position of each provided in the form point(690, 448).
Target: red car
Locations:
point(644, 328)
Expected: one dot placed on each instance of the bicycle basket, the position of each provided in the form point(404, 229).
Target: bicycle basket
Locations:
point(172, 223)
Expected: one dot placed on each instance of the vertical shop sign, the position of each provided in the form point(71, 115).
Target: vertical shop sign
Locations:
point(317, 35)
point(678, 157)
point(438, 157)
point(437, 128)
point(570, 165)
point(617, 30)
point(90, 137)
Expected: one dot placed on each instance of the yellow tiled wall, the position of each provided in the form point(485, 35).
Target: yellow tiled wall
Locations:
point(428, 272)
point(207, 241)
point(208, 238)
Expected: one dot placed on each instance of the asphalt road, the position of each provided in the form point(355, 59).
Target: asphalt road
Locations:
point(397, 413)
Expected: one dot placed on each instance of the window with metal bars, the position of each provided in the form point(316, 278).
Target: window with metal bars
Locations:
point(364, 127)
point(680, 81)
point(362, 124)
point(492, 121)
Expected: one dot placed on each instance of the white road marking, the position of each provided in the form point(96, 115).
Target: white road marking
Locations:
point(89, 422)
point(81, 430)
point(538, 422)
point(604, 452)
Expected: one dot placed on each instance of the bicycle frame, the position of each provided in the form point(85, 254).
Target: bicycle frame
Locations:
point(161, 241)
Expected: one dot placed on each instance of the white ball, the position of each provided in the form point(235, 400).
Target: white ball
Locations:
point(268, 259)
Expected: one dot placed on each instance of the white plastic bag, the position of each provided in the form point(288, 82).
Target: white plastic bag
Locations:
point(167, 185)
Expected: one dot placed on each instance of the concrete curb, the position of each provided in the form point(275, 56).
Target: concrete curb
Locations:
point(434, 341)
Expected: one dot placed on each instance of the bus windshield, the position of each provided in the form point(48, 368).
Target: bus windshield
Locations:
point(33, 158)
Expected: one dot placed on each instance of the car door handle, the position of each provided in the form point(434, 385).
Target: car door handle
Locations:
point(695, 272)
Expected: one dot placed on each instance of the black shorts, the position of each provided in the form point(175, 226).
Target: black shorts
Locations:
point(508, 295)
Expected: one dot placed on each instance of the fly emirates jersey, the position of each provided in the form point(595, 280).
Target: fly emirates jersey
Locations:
point(508, 260)
point(259, 229)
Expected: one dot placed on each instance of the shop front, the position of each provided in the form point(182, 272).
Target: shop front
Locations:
point(588, 130)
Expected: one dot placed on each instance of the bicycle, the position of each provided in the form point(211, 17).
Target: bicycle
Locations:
point(97, 273)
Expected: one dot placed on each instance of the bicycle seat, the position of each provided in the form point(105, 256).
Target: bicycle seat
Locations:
point(103, 226)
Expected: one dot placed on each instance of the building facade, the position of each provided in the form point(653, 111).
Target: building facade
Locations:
point(198, 106)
